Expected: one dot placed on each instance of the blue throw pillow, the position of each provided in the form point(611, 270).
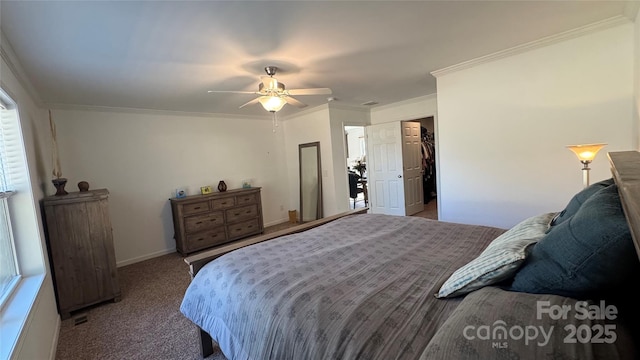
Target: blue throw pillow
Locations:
point(589, 254)
point(577, 200)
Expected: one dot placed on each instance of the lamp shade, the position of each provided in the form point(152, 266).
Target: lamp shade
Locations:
point(272, 103)
point(586, 152)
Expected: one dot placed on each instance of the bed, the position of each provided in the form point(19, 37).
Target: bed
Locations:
point(370, 286)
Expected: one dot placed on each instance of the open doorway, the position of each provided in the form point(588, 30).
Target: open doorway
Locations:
point(355, 148)
point(430, 192)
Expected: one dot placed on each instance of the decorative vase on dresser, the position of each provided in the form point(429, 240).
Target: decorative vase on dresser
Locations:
point(204, 221)
point(222, 186)
point(81, 251)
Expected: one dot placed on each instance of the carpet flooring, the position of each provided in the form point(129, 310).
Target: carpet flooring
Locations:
point(146, 323)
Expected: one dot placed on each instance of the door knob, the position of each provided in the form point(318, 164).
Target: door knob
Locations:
point(399, 176)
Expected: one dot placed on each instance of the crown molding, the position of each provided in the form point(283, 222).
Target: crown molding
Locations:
point(549, 40)
point(8, 55)
point(411, 101)
point(350, 107)
point(124, 110)
point(58, 106)
point(322, 107)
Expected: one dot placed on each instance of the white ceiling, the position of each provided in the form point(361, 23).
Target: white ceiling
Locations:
point(165, 55)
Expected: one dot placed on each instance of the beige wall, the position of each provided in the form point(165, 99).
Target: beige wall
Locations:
point(503, 126)
point(142, 157)
point(310, 126)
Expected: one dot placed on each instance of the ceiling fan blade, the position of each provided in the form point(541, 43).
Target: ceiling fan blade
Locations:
point(316, 91)
point(294, 102)
point(254, 101)
point(232, 92)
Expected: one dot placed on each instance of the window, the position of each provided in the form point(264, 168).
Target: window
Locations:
point(10, 160)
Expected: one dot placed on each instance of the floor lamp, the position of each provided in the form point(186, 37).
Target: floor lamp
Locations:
point(586, 153)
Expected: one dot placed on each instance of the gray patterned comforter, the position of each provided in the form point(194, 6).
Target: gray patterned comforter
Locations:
point(359, 287)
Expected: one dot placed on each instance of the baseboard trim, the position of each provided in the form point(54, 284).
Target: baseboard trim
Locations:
point(56, 337)
point(276, 222)
point(172, 250)
point(145, 257)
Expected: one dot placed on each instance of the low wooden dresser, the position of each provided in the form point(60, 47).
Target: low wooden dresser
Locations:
point(81, 251)
point(204, 221)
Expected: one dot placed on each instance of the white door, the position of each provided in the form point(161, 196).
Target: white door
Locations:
point(412, 165)
point(394, 168)
point(384, 169)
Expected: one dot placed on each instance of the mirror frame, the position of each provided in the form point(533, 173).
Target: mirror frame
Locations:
point(319, 214)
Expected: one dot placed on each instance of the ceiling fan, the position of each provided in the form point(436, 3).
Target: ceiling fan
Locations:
point(273, 94)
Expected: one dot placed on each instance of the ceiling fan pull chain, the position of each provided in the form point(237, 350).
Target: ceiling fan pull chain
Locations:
point(275, 121)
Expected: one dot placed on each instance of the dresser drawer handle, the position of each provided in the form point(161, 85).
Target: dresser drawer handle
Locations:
point(224, 203)
point(196, 208)
point(199, 222)
point(213, 220)
point(200, 239)
point(248, 212)
point(238, 229)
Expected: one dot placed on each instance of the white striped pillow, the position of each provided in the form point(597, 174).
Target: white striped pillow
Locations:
point(500, 260)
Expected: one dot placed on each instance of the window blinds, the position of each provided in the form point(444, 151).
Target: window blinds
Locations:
point(11, 154)
point(13, 174)
point(3, 174)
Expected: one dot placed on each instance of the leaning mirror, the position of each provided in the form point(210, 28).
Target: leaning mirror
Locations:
point(310, 182)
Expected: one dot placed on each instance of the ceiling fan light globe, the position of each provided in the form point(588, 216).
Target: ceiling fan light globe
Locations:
point(272, 103)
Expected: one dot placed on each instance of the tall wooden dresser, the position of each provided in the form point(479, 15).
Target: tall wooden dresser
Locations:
point(204, 221)
point(81, 251)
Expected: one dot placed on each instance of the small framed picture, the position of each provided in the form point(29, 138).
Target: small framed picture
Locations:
point(181, 193)
point(205, 190)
